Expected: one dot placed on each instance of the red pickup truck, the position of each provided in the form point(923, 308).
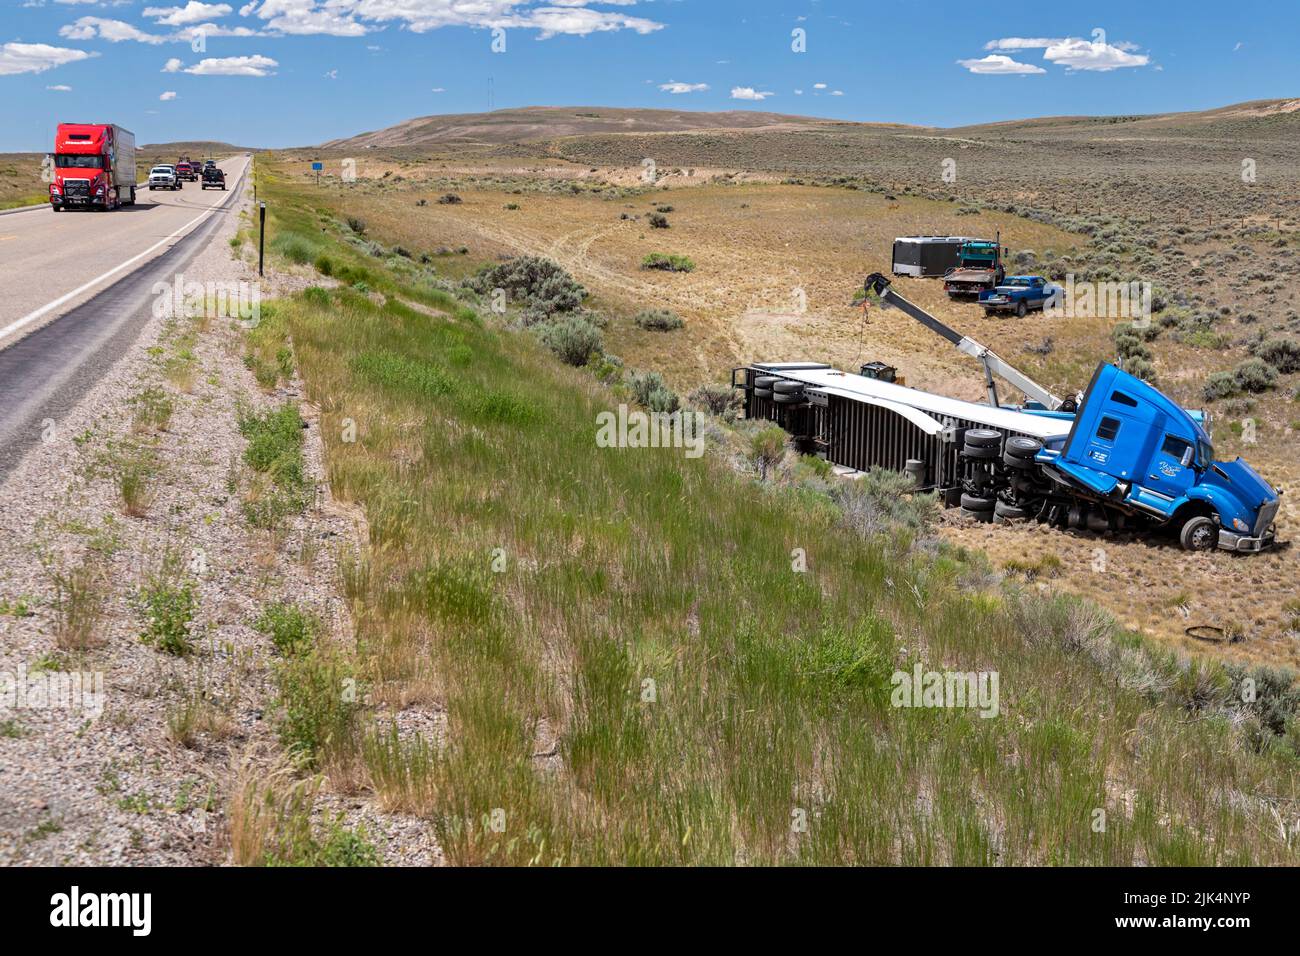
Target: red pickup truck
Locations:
point(185, 170)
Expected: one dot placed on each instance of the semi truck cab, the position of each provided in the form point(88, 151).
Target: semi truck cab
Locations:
point(93, 167)
point(1133, 447)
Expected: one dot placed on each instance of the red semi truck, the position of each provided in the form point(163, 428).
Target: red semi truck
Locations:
point(94, 167)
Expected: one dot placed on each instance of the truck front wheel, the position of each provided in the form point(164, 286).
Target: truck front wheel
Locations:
point(1199, 534)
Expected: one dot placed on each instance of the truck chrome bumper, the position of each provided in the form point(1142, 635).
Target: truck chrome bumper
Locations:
point(1231, 541)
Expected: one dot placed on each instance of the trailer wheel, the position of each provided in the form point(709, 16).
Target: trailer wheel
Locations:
point(984, 517)
point(1009, 512)
point(1199, 534)
point(971, 502)
point(1022, 309)
point(982, 438)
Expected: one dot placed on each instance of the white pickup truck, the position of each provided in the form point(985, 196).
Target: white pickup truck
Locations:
point(164, 177)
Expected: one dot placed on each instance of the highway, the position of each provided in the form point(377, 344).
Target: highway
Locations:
point(77, 290)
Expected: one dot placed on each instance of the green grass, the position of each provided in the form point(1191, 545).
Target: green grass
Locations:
point(274, 453)
point(648, 631)
point(291, 629)
point(167, 602)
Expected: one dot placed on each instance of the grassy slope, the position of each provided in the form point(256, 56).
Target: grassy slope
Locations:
point(771, 686)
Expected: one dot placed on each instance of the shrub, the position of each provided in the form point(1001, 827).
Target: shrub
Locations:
point(767, 448)
point(650, 390)
point(572, 338)
point(542, 286)
point(883, 501)
point(1282, 354)
point(1254, 375)
point(1220, 385)
point(715, 399)
point(658, 320)
point(291, 629)
point(168, 605)
point(449, 199)
point(357, 225)
point(658, 221)
point(667, 263)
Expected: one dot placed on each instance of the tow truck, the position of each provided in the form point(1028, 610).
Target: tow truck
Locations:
point(979, 268)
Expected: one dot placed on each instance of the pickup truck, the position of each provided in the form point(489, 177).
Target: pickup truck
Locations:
point(214, 176)
point(186, 171)
point(1019, 294)
point(163, 177)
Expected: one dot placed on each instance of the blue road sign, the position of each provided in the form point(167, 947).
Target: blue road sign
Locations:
point(318, 166)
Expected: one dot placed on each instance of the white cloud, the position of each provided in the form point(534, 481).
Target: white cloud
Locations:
point(438, 89)
point(998, 63)
point(114, 31)
point(332, 74)
point(60, 88)
point(255, 65)
point(36, 57)
point(1075, 53)
point(172, 66)
point(192, 12)
point(837, 92)
point(673, 86)
point(748, 93)
point(169, 95)
point(357, 17)
point(819, 86)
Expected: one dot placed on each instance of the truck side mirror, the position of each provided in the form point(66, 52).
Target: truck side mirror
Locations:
point(1187, 456)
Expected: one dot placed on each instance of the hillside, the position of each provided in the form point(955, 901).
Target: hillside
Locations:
point(553, 122)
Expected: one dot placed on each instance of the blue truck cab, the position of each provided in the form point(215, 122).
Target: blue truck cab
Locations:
point(1133, 449)
point(1019, 294)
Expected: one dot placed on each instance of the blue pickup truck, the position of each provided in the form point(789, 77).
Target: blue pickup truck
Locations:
point(1019, 294)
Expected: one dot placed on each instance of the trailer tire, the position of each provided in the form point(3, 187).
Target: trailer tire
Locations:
point(1020, 447)
point(787, 398)
point(982, 438)
point(971, 502)
point(984, 517)
point(1010, 512)
point(980, 454)
point(1199, 533)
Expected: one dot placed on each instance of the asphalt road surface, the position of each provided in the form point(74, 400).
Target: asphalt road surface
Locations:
point(77, 290)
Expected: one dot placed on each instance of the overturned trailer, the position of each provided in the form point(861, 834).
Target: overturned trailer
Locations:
point(862, 423)
point(1129, 458)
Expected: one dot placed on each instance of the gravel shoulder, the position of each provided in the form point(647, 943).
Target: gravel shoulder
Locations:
point(141, 774)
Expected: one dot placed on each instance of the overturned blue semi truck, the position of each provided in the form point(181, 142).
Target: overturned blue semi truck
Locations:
point(1124, 457)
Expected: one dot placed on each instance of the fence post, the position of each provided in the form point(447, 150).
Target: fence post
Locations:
point(261, 235)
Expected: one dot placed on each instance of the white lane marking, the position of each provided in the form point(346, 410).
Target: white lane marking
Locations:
point(31, 317)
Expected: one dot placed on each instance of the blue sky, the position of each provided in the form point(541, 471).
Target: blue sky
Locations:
point(296, 72)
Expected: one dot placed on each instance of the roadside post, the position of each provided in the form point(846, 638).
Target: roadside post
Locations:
point(261, 235)
point(317, 167)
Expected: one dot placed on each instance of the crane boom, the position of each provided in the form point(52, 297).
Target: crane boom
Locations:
point(993, 364)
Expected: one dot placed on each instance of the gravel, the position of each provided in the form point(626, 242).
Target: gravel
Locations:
point(89, 786)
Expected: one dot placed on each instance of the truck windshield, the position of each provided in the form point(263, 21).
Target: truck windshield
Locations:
point(78, 161)
point(1206, 453)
